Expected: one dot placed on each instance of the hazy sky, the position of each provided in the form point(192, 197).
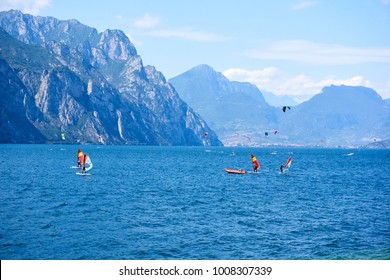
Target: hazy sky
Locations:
point(286, 47)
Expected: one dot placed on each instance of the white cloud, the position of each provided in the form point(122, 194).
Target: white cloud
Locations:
point(189, 35)
point(326, 54)
point(147, 21)
point(303, 5)
point(258, 77)
point(152, 25)
point(26, 6)
point(280, 83)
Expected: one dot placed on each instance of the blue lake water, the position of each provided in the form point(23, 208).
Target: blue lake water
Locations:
point(178, 203)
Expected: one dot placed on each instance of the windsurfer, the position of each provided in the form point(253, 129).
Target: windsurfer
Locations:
point(255, 163)
point(84, 163)
point(281, 168)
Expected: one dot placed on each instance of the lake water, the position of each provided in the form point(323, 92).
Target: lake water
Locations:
point(178, 203)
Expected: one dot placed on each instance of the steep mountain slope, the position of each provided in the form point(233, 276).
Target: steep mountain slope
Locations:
point(236, 111)
point(93, 86)
point(13, 112)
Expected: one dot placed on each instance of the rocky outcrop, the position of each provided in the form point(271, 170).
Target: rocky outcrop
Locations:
point(92, 86)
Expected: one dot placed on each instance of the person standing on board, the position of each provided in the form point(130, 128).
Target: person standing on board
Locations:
point(255, 163)
point(84, 163)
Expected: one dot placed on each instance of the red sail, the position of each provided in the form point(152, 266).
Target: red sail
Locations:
point(80, 157)
point(255, 163)
point(85, 159)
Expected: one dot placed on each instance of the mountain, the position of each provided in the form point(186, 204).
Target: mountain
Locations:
point(68, 78)
point(385, 144)
point(13, 113)
point(278, 100)
point(237, 111)
point(338, 116)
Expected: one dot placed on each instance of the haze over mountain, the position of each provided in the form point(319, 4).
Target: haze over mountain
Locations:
point(278, 100)
point(339, 115)
point(60, 76)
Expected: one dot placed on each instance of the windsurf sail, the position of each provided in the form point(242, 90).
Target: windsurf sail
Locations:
point(255, 163)
point(87, 163)
point(80, 157)
point(288, 163)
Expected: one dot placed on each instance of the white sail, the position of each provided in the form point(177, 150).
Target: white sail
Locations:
point(88, 164)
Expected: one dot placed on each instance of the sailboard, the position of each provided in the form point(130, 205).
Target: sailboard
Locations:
point(83, 174)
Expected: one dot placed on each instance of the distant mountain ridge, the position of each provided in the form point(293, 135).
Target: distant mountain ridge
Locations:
point(385, 144)
point(68, 78)
point(278, 100)
point(237, 111)
point(345, 115)
point(339, 115)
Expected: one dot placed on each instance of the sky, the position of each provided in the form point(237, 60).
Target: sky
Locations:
point(287, 47)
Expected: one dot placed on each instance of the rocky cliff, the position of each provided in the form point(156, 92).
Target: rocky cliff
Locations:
point(91, 86)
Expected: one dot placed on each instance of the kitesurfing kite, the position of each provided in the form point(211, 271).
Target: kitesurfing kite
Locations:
point(255, 163)
point(286, 107)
